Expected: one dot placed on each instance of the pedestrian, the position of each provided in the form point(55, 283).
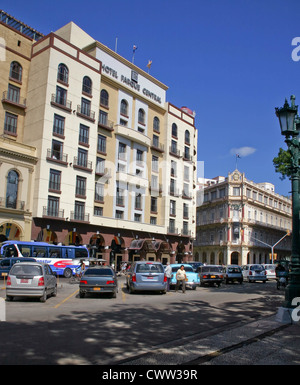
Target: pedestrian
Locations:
point(168, 273)
point(180, 278)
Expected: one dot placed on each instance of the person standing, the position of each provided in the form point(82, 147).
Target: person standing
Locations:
point(168, 273)
point(180, 279)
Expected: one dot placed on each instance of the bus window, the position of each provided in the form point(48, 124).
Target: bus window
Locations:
point(69, 253)
point(81, 253)
point(10, 251)
point(54, 252)
point(25, 250)
point(39, 252)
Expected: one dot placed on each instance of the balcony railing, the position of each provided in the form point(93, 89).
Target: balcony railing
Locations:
point(53, 212)
point(85, 113)
point(172, 230)
point(75, 216)
point(61, 102)
point(57, 156)
point(155, 145)
point(82, 164)
point(106, 124)
point(174, 151)
point(12, 203)
point(13, 98)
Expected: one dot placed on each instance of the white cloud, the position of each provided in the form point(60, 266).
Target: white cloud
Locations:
point(242, 151)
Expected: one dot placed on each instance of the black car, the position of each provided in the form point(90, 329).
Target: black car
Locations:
point(211, 274)
point(98, 280)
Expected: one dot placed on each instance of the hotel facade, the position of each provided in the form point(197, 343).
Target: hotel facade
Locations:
point(111, 164)
point(239, 221)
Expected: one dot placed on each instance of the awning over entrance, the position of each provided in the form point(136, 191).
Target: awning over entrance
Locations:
point(150, 246)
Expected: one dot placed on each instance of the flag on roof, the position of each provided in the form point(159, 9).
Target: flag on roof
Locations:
point(149, 64)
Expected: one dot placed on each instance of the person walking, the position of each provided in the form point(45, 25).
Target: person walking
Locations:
point(168, 273)
point(180, 278)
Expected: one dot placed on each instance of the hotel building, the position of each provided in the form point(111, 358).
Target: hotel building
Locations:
point(115, 162)
point(238, 221)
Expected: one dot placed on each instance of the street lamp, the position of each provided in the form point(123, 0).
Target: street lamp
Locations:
point(290, 124)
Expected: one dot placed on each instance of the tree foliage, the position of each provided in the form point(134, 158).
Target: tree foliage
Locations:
point(282, 163)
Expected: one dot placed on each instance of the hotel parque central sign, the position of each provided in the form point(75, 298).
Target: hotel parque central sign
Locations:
point(131, 82)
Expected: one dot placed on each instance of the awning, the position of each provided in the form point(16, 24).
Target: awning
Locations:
point(150, 245)
point(136, 244)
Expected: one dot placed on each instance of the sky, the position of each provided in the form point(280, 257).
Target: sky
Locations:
point(230, 61)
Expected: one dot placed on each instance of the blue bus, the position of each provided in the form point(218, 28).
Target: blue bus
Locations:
point(63, 260)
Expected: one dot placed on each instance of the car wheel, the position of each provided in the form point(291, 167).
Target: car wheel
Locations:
point(9, 298)
point(67, 273)
point(44, 296)
point(114, 294)
point(131, 291)
point(81, 294)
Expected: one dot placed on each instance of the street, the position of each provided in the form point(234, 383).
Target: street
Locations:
point(106, 331)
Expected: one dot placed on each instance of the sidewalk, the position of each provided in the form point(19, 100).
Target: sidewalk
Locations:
point(263, 342)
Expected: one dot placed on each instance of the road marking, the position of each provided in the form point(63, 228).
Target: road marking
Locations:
point(66, 299)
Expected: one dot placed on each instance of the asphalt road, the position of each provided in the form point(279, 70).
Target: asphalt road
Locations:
point(105, 331)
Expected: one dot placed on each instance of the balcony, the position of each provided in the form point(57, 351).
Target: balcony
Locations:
point(155, 145)
point(186, 232)
point(85, 113)
point(57, 157)
point(106, 124)
point(14, 99)
point(82, 164)
point(80, 217)
point(53, 213)
point(61, 102)
point(133, 135)
point(172, 230)
point(173, 151)
point(186, 194)
point(10, 203)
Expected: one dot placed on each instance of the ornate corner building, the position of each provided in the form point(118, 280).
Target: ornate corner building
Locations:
point(100, 157)
point(239, 221)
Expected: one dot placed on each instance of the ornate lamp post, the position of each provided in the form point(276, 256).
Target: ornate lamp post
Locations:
point(290, 126)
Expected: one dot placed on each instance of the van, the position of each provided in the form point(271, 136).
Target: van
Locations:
point(7, 263)
point(146, 275)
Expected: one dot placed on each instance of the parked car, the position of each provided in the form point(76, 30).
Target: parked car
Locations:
point(211, 274)
point(254, 272)
point(7, 263)
point(98, 279)
point(195, 265)
point(146, 275)
point(270, 270)
point(31, 279)
point(192, 277)
point(233, 273)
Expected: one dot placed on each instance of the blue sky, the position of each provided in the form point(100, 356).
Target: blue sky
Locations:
point(228, 60)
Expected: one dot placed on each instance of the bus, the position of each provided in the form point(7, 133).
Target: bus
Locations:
point(63, 260)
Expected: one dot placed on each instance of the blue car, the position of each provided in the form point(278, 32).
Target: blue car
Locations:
point(193, 278)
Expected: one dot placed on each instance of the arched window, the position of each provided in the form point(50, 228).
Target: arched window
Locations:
point(12, 189)
point(15, 71)
point(87, 85)
point(174, 130)
point(156, 124)
point(187, 137)
point(63, 73)
point(104, 98)
point(124, 107)
point(141, 116)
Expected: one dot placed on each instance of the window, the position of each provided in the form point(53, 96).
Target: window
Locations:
point(186, 173)
point(185, 210)
point(153, 204)
point(104, 98)
point(174, 147)
point(63, 73)
point(101, 145)
point(137, 217)
point(61, 96)
point(99, 192)
point(15, 71)
point(80, 186)
point(87, 85)
point(172, 207)
point(12, 189)
point(100, 165)
point(124, 107)
point(153, 220)
point(82, 158)
point(57, 150)
point(154, 163)
point(53, 206)
point(138, 201)
point(187, 137)
point(98, 211)
point(103, 118)
point(187, 152)
point(141, 116)
point(119, 196)
point(156, 124)
point(10, 124)
point(79, 211)
point(85, 107)
point(173, 168)
point(83, 134)
point(156, 141)
point(171, 226)
point(54, 180)
point(122, 151)
point(58, 125)
point(236, 191)
point(139, 156)
point(174, 130)
point(119, 214)
point(13, 93)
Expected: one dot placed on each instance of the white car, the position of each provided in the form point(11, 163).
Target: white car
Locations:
point(270, 269)
point(254, 272)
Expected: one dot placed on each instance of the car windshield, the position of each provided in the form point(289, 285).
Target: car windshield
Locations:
point(98, 272)
point(188, 269)
point(256, 267)
point(234, 270)
point(149, 268)
point(26, 270)
point(210, 269)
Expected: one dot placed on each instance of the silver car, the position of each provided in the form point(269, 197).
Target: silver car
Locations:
point(31, 279)
point(233, 273)
point(254, 272)
point(146, 275)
